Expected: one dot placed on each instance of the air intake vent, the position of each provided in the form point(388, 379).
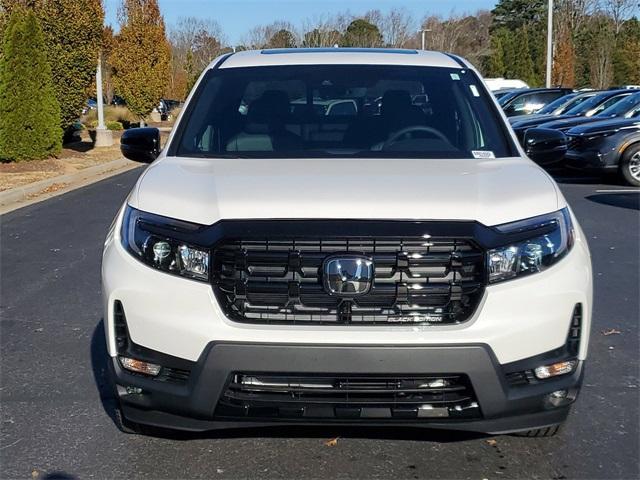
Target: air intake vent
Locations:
point(348, 397)
point(120, 327)
point(573, 339)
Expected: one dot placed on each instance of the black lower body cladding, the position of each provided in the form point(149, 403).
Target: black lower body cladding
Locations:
point(480, 396)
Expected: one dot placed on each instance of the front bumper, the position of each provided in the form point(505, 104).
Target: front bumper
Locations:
point(592, 160)
point(192, 406)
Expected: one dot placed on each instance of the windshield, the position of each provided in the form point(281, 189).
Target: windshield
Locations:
point(597, 103)
point(342, 111)
point(563, 104)
point(626, 107)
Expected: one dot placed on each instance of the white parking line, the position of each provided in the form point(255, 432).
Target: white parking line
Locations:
point(620, 190)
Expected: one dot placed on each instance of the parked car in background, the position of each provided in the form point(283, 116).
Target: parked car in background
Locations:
point(501, 93)
point(91, 104)
point(624, 105)
point(504, 83)
point(607, 146)
point(558, 107)
point(595, 104)
point(328, 107)
point(526, 102)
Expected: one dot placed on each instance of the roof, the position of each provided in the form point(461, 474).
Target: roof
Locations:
point(339, 56)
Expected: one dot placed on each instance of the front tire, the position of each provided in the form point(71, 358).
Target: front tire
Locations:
point(630, 165)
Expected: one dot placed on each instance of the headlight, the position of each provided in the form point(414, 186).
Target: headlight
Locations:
point(551, 239)
point(152, 239)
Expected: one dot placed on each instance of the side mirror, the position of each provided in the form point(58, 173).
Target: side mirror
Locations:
point(141, 144)
point(544, 145)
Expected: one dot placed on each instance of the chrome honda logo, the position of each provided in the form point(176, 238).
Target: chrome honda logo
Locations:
point(347, 275)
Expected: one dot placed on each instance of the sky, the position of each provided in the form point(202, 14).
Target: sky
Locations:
point(236, 17)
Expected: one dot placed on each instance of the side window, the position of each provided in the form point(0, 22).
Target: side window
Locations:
point(517, 106)
point(542, 99)
point(607, 103)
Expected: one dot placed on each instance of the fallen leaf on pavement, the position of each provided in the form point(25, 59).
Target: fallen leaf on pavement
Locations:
point(611, 331)
point(492, 442)
point(332, 443)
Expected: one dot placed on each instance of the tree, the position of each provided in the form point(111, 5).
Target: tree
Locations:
point(73, 35)
point(626, 67)
point(194, 44)
point(321, 38)
point(283, 38)
point(140, 56)
point(514, 14)
point(494, 65)
point(361, 33)
point(29, 112)
point(522, 62)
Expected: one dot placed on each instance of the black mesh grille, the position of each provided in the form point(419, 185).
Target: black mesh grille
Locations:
point(351, 397)
point(417, 281)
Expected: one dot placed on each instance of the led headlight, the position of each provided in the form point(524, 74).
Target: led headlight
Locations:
point(551, 238)
point(152, 239)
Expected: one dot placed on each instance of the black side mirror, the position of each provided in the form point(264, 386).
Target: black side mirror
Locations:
point(141, 144)
point(544, 145)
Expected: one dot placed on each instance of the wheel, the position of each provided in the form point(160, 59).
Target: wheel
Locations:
point(540, 432)
point(630, 165)
point(124, 425)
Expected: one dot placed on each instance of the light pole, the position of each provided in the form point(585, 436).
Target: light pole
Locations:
point(423, 32)
point(549, 43)
point(104, 136)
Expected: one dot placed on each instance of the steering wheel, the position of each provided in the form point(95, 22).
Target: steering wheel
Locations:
point(416, 128)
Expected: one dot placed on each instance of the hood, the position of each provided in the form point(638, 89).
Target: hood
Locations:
point(205, 191)
point(603, 126)
point(534, 118)
point(566, 123)
point(540, 120)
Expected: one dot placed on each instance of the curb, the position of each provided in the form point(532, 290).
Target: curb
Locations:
point(18, 197)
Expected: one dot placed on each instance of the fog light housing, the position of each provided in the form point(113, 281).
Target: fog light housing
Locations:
point(555, 369)
point(139, 366)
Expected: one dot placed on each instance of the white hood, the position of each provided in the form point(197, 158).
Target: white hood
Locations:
point(207, 190)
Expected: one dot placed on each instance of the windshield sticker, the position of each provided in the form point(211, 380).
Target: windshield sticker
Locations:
point(455, 76)
point(474, 90)
point(482, 154)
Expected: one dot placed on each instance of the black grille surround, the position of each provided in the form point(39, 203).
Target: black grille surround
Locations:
point(418, 280)
point(348, 397)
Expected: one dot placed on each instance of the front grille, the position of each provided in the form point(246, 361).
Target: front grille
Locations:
point(348, 397)
point(416, 281)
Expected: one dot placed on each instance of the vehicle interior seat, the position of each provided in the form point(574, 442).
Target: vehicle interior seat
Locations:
point(396, 112)
point(265, 126)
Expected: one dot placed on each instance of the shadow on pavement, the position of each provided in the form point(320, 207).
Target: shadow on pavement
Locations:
point(58, 476)
point(622, 200)
point(99, 357)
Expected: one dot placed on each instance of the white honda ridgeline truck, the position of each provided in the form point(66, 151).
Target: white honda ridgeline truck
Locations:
point(398, 261)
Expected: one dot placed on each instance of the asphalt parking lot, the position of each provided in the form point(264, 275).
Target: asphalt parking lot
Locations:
point(56, 410)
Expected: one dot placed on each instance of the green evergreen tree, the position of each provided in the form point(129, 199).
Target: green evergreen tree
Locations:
point(29, 111)
point(361, 33)
point(495, 64)
point(522, 62)
point(73, 36)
